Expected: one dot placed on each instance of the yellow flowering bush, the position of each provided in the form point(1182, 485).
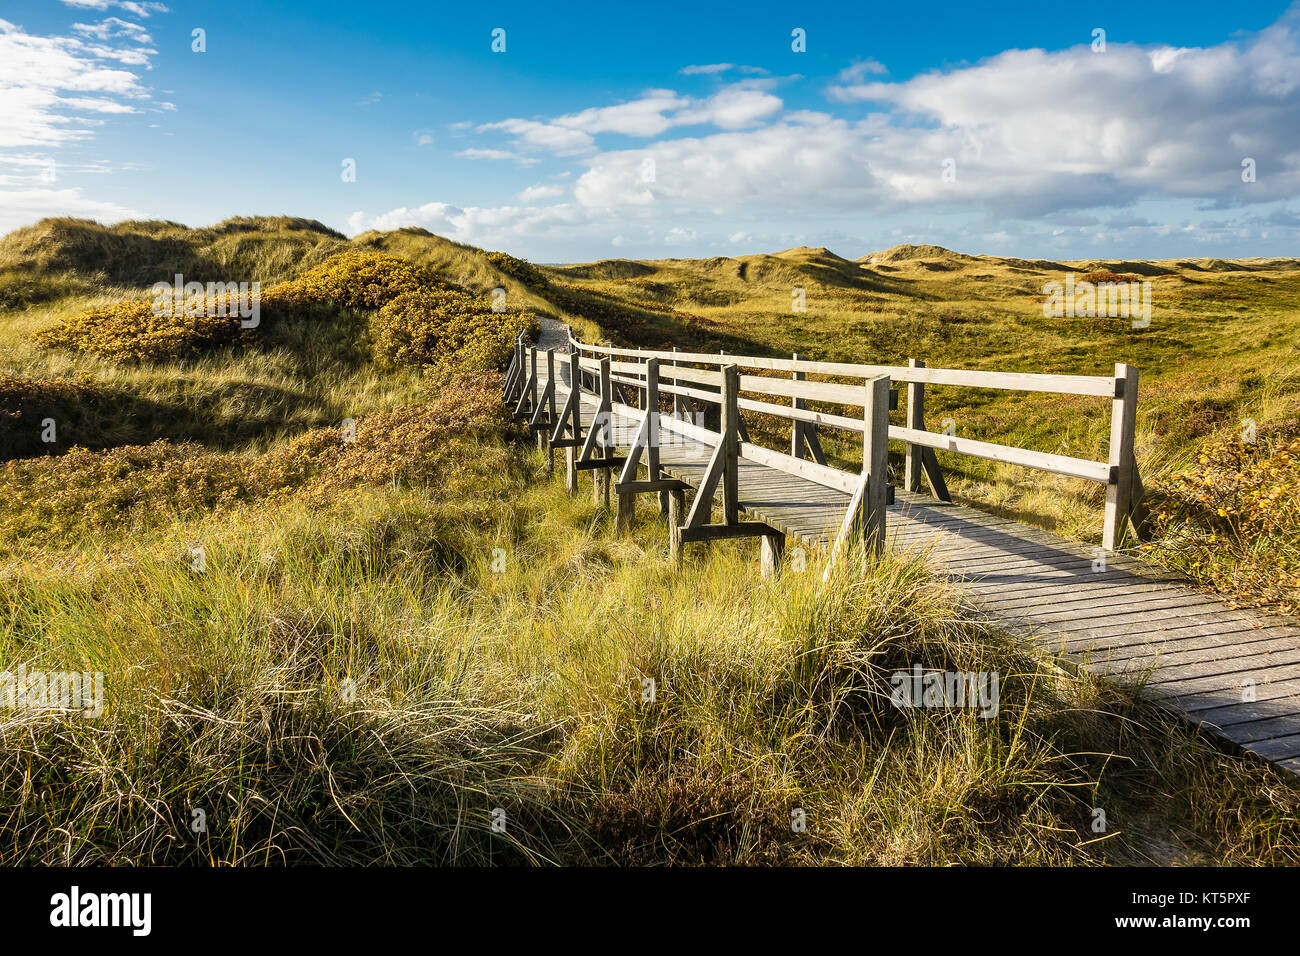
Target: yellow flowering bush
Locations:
point(520, 269)
point(135, 331)
point(354, 280)
point(1233, 518)
point(446, 327)
point(417, 319)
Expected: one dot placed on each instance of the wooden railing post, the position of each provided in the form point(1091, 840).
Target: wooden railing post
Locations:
point(676, 514)
point(731, 440)
point(796, 426)
point(545, 434)
point(644, 390)
point(653, 433)
point(571, 450)
point(511, 371)
point(1120, 488)
point(522, 359)
point(532, 366)
point(875, 462)
point(677, 399)
point(601, 479)
point(912, 463)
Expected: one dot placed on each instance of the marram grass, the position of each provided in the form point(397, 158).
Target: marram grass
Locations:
point(369, 682)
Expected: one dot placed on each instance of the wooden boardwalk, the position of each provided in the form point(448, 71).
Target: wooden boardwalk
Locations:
point(1234, 672)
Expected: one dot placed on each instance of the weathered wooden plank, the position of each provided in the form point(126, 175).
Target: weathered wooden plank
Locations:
point(1094, 385)
point(1006, 454)
point(1237, 636)
point(1226, 659)
point(1277, 749)
point(712, 532)
point(1257, 731)
point(1229, 681)
point(1123, 468)
point(645, 487)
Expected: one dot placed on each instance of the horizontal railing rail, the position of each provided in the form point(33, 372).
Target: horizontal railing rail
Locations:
point(1101, 386)
point(855, 395)
point(700, 380)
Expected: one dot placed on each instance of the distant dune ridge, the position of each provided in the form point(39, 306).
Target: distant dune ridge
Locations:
point(58, 256)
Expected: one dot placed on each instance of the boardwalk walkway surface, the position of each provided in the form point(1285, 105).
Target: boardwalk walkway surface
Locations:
point(1234, 672)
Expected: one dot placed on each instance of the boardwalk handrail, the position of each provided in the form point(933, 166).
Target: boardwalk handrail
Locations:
point(1101, 386)
point(703, 388)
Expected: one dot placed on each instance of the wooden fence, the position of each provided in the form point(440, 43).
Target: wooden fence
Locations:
point(713, 389)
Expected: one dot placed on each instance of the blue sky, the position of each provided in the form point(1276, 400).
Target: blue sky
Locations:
point(673, 129)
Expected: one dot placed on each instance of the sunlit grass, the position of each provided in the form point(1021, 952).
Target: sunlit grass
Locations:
point(367, 681)
point(411, 635)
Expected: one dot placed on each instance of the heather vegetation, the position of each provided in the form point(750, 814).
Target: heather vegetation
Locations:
point(401, 625)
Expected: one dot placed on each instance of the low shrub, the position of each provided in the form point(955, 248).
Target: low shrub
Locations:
point(86, 492)
point(135, 331)
point(355, 280)
point(418, 319)
point(446, 327)
point(1232, 520)
point(520, 269)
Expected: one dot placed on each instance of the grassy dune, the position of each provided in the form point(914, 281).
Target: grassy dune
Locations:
point(394, 637)
point(353, 681)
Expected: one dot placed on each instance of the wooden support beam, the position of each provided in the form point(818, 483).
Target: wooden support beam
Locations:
point(814, 444)
point(722, 471)
point(604, 464)
point(875, 461)
point(796, 426)
point(702, 505)
point(652, 417)
point(521, 407)
point(540, 412)
point(575, 388)
point(663, 485)
point(741, 529)
point(515, 372)
point(644, 444)
point(645, 388)
point(676, 511)
point(507, 386)
point(865, 516)
point(771, 551)
point(1121, 487)
point(915, 419)
point(624, 512)
point(803, 434)
point(677, 399)
point(570, 423)
point(730, 444)
point(934, 474)
point(553, 419)
point(532, 378)
point(603, 479)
